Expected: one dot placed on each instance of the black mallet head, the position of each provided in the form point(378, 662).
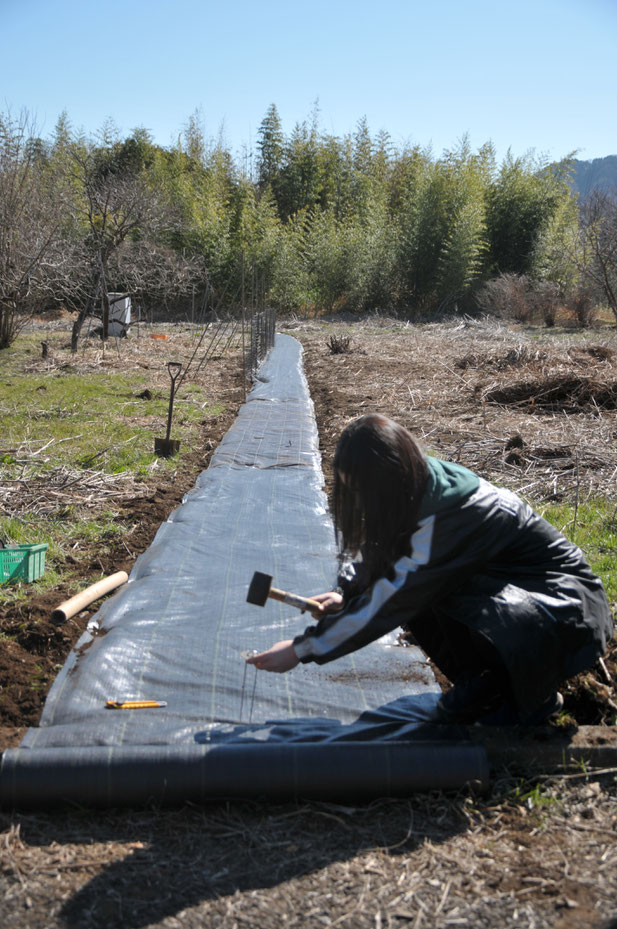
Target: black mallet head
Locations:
point(259, 589)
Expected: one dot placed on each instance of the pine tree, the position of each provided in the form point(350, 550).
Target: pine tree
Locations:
point(270, 146)
point(194, 137)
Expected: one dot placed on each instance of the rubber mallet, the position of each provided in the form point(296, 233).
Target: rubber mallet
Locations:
point(261, 588)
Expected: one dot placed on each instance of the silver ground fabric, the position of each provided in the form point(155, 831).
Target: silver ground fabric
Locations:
point(177, 631)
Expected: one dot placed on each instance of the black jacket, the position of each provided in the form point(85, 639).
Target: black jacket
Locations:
point(484, 558)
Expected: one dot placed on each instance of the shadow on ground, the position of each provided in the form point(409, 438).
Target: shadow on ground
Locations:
point(179, 859)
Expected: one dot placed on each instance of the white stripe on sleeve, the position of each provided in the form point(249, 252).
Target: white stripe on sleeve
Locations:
point(350, 624)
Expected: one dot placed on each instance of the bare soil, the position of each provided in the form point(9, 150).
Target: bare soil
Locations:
point(538, 851)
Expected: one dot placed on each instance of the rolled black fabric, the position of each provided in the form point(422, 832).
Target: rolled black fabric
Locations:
point(173, 775)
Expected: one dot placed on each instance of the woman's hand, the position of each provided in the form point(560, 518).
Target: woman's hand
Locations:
point(331, 602)
point(281, 657)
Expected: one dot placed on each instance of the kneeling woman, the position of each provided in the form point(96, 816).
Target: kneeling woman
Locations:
point(501, 602)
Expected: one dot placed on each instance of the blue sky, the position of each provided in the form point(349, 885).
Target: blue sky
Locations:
point(531, 74)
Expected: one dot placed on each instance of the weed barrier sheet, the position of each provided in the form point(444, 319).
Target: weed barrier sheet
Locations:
point(176, 633)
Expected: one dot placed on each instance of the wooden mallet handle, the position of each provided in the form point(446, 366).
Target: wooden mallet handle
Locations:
point(261, 588)
point(301, 603)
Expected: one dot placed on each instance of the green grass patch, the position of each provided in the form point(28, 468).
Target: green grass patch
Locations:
point(533, 797)
point(95, 421)
point(593, 527)
point(60, 422)
point(64, 538)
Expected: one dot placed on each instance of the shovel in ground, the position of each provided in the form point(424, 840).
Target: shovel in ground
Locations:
point(167, 447)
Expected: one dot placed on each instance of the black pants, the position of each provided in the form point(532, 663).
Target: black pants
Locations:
point(457, 651)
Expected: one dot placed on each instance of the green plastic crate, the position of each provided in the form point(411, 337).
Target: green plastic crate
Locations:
point(22, 563)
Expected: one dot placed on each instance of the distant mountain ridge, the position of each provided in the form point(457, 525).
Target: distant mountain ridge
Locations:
point(597, 174)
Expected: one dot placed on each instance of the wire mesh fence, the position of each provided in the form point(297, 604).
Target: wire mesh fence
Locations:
point(248, 332)
point(261, 339)
point(225, 323)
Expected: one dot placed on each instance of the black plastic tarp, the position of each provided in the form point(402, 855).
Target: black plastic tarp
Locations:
point(177, 631)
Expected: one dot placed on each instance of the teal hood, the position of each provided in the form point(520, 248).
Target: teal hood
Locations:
point(448, 484)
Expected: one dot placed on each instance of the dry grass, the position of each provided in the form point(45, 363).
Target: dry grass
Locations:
point(547, 859)
point(469, 390)
point(39, 495)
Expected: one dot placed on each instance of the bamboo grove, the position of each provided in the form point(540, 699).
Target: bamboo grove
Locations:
point(306, 221)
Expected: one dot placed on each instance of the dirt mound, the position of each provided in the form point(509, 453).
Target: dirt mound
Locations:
point(598, 352)
point(533, 357)
point(514, 357)
point(559, 393)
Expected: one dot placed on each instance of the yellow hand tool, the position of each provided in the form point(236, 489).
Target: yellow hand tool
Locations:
point(134, 704)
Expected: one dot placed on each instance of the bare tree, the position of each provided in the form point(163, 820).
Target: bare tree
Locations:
point(30, 221)
point(155, 274)
point(116, 205)
point(597, 247)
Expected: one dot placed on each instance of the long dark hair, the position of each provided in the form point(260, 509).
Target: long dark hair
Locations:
point(380, 475)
